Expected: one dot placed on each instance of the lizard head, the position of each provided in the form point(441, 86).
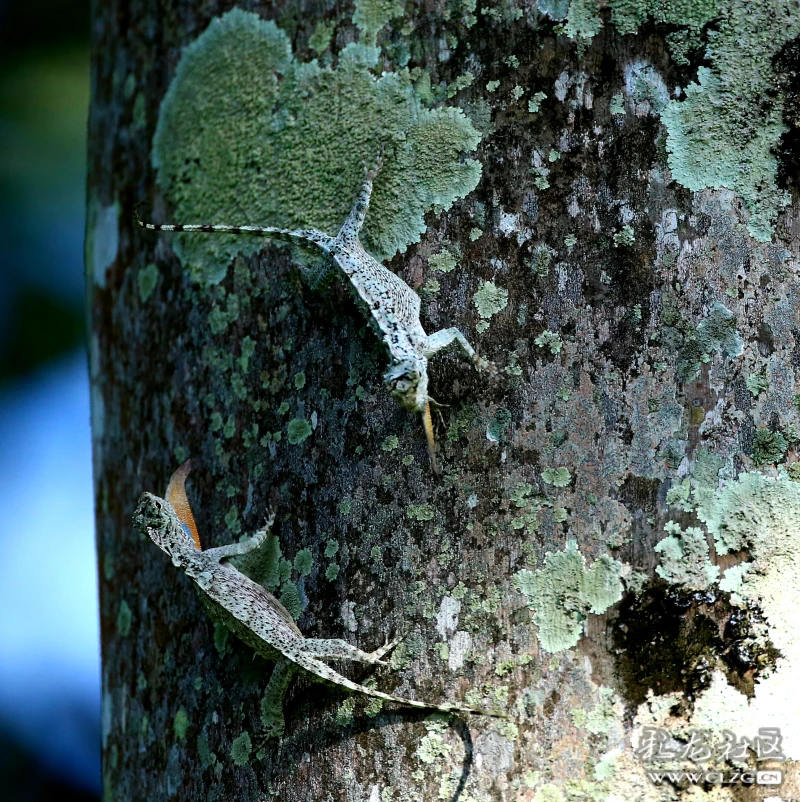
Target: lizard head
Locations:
point(407, 381)
point(156, 518)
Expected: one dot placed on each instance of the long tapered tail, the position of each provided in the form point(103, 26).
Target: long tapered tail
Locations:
point(296, 237)
point(322, 671)
point(427, 423)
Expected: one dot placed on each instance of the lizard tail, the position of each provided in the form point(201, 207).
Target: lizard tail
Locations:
point(320, 670)
point(297, 237)
point(427, 423)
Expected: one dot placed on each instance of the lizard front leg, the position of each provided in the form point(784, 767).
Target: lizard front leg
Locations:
point(238, 549)
point(444, 337)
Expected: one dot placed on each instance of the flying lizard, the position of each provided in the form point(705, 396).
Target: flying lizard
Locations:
point(393, 305)
point(248, 610)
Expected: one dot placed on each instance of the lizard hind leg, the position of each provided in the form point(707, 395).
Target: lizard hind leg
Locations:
point(336, 649)
point(355, 220)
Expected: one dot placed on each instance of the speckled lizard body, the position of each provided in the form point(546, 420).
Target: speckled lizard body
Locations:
point(394, 306)
point(248, 610)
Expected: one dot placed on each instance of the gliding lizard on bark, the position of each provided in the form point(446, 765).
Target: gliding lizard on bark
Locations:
point(394, 306)
point(248, 610)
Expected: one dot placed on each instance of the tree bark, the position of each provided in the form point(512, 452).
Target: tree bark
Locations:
point(603, 200)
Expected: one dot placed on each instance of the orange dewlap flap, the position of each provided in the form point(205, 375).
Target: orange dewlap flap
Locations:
point(176, 496)
point(427, 422)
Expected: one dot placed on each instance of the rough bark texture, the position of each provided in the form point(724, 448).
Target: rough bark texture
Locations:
point(623, 247)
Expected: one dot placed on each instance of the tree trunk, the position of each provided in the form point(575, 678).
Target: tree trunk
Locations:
point(603, 201)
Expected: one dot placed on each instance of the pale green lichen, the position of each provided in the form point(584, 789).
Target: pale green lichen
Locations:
point(768, 447)
point(147, 279)
point(420, 512)
point(716, 332)
point(331, 548)
point(290, 599)
point(757, 383)
point(444, 261)
point(536, 101)
point(762, 515)
point(430, 287)
point(344, 714)
point(180, 723)
point(285, 151)
point(628, 15)
point(390, 443)
point(685, 558)
point(303, 562)
point(564, 592)
point(583, 20)
point(371, 16)
point(724, 131)
point(625, 237)
point(298, 430)
point(241, 749)
point(490, 299)
point(558, 477)
point(462, 82)
point(550, 340)
point(320, 39)
point(124, 619)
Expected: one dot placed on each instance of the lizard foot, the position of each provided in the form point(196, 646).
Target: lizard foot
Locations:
point(375, 657)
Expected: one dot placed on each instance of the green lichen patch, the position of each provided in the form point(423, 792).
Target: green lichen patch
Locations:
point(715, 333)
point(303, 562)
point(625, 237)
point(298, 430)
point(490, 299)
point(685, 558)
point(564, 592)
point(536, 101)
point(420, 512)
point(180, 723)
point(628, 15)
point(757, 383)
point(390, 443)
point(372, 15)
point(241, 749)
point(768, 447)
point(124, 619)
point(147, 279)
point(558, 477)
point(320, 39)
point(289, 148)
point(722, 133)
point(551, 340)
point(445, 261)
point(762, 515)
point(583, 20)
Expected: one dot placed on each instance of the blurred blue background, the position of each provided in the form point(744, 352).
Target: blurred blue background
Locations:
point(49, 642)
